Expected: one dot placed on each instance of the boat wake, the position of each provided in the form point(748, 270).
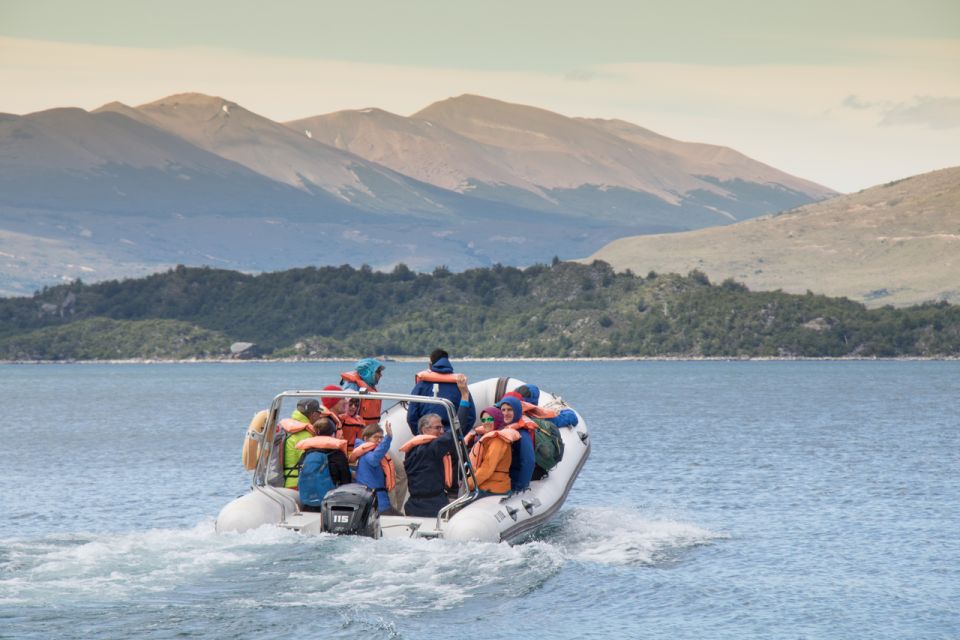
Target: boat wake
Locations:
point(623, 537)
point(413, 575)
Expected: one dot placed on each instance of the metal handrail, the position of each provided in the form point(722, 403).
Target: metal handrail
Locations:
point(269, 432)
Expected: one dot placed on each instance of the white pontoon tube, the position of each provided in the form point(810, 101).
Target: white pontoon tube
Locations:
point(469, 517)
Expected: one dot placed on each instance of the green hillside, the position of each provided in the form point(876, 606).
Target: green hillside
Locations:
point(561, 310)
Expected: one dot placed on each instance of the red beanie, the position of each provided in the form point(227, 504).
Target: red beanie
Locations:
point(330, 402)
point(509, 394)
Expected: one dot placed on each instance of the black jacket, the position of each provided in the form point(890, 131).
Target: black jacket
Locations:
point(424, 467)
point(339, 467)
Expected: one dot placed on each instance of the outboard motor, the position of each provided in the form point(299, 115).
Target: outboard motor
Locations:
point(351, 509)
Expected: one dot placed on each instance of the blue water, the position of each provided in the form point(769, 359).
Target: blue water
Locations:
point(722, 500)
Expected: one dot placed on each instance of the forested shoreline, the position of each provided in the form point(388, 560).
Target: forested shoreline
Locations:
point(562, 310)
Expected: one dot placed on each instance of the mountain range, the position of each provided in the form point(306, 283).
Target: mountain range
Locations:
point(896, 243)
point(469, 181)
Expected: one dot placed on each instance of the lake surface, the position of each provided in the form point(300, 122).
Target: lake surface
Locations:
point(722, 500)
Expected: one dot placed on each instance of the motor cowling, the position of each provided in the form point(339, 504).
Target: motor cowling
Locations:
point(351, 509)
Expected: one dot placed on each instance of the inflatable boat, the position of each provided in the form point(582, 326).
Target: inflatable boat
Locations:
point(347, 509)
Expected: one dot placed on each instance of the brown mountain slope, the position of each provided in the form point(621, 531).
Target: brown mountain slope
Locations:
point(280, 153)
point(701, 159)
point(413, 147)
point(555, 151)
point(547, 161)
point(897, 244)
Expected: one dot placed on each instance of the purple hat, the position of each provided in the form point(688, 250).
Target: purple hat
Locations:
point(497, 416)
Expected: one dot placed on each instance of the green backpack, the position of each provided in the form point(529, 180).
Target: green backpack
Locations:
point(548, 444)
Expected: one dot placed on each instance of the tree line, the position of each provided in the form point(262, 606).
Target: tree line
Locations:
point(559, 310)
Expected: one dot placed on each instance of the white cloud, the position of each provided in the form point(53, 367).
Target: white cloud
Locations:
point(936, 113)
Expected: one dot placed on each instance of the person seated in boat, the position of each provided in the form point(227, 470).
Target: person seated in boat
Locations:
point(524, 456)
point(430, 460)
point(439, 375)
point(547, 441)
point(319, 474)
point(491, 453)
point(530, 400)
point(351, 423)
point(374, 465)
point(366, 374)
point(299, 426)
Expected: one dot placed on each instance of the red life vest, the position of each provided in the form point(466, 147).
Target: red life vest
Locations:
point(351, 429)
point(416, 441)
point(370, 409)
point(386, 463)
point(433, 376)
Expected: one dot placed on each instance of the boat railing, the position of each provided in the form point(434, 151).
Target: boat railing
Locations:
point(259, 481)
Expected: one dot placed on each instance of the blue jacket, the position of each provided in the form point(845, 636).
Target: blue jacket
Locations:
point(370, 474)
point(524, 457)
point(448, 390)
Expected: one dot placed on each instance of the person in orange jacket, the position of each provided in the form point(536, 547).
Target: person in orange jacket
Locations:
point(492, 453)
point(349, 423)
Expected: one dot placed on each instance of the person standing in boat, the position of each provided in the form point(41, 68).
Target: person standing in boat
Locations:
point(365, 375)
point(374, 465)
point(492, 453)
point(430, 460)
point(440, 375)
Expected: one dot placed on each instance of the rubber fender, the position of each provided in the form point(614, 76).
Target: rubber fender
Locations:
point(251, 447)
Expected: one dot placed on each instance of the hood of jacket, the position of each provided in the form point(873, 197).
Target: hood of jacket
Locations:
point(442, 366)
point(367, 370)
point(534, 394)
point(514, 404)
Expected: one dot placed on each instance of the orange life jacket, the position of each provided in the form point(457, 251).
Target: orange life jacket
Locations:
point(506, 434)
point(291, 426)
point(433, 376)
point(524, 424)
point(323, 442)
point(369, 408)
point(386, 463)
point(416, 441)
point(538, 412)
point(351, 429)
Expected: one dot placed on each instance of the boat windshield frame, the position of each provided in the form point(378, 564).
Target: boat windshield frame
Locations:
point(259, 477)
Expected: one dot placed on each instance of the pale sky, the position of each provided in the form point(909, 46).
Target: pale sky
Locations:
point(847, 93)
